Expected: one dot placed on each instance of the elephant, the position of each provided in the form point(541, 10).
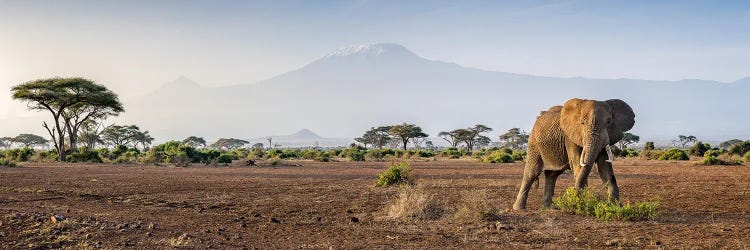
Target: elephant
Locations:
point(574, 136)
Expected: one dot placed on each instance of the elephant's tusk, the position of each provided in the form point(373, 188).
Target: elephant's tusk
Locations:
point(610, 156)
point(581, 160)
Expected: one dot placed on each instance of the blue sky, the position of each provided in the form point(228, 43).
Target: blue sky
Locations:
point(134, 46)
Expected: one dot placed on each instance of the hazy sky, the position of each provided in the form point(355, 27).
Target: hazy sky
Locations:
point(134, 46)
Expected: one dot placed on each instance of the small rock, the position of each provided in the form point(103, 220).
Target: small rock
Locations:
point(135, 226)
point(149, 234)
point(151, 226)
point(349, 211)
point(237, 237)
point(613, 242)
point(354, 219)
point(319, 219)
point(256, 214)
point(726, 229)
point(657, 243)
point(221, 229)
point(87, 236)
point(243, 224)
point(57, 218)
point(123, 225)
point(274, 220)
point(503, 226)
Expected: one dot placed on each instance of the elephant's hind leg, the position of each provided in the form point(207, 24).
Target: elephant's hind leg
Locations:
point(550, 178)
point(533, 169)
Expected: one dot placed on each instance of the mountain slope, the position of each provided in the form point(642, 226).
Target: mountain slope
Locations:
point(354, 88)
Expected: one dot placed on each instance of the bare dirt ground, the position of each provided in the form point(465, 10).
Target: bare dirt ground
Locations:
point(312, 206)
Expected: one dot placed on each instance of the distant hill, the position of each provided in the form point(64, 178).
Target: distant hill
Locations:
point(354, 88)
point(302, 138)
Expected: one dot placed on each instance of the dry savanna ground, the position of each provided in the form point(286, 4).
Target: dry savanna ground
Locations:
point(313, 205)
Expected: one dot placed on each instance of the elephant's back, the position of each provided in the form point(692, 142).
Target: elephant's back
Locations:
point(548, 138)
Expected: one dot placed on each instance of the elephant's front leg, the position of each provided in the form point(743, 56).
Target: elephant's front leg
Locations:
point(607, 175)
point(580, 173)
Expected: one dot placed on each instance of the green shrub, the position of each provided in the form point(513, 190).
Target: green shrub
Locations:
point(746, 158)
point(323, 157)
point(629, 152)
point(8, 163)
point(652, 154)
point(498, 157)
point(519, 155)
point(586, 202)
point(19, 154)
point(674, 154)
point(84, 155)
point(256, 153)
point(649, 146)
point(452, 153)
point(396, 174)
point(356, 154)
point(425, 153)
point(740, 148)
point(699, 148)
point(274, 161)
point(641, 211)
point(44, 156)
point(224, 159)
point(712, 158)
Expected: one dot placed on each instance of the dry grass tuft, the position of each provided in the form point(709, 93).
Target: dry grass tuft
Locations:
point(413, 202)
point(475, 206)
point(182, 241)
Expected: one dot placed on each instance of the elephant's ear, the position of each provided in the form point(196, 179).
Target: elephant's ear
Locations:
point(623, 120)
point(571, 118)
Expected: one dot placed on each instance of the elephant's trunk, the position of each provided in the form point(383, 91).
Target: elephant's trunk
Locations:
point(596, 143)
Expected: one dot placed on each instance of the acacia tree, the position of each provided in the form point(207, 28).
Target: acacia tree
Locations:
point(405, 132)
point(30, 140)
point(729, 143)
point(377, 137)
point(117, 135)
point(628, 139)
point(229, 143)
point(450, 137)
point(6, 142)
point(143, 139)
point(470, 136)
point(194, 141)
point(71, 101)
point(89, 134)
point(515, 138)
point(684, 140)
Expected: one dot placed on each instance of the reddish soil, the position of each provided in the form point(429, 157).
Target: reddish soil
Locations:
point(311, 206)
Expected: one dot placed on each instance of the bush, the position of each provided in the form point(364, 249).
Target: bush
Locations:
point(452, 153)
point(356, 154)
point(8, 163)
point(498, 157)
point(740, 148)
point(652, 154)
point(396, 174)
point(699, 148)
point(274, 161)
point(724, 159)
point(84, 154)
point(224, 159)
point(19, 154)
point(475, 206)
point(674, 154)
point(746, 158)
point(519, 155)
point(44, 156)
point(629, 152)
point(649, 146)
point(585, 202)
point(414, 203)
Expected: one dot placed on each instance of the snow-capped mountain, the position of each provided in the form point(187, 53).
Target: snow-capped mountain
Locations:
point(354, 88)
